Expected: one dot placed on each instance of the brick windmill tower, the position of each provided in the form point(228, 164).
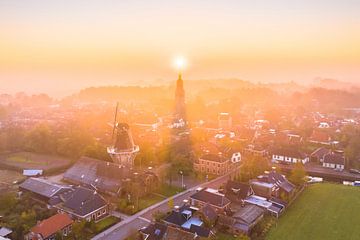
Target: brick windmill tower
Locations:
point(123, 150)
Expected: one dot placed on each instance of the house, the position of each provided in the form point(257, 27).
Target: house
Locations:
point(320, 137)
point(154, 231)
point(82, 203)
point(247, 218)
point(272, 184)
point(216, 164)
point(256, 150)
point(41, 189)
point(225, 121)
point(185, 219)
point(212, 197)
point(236, 192)
point(107, 177)
point(32, 172)
point(5, 232)
point(242, 221)
point(271, 206)
point(319, 154)
point(334, 160)
point(174, 233)
point(208, 214)
point(289, 155)
point(48, 228)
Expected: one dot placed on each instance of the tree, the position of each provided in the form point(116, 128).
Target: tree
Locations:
point(298, 174)
point(171, 203)
point(78, 231)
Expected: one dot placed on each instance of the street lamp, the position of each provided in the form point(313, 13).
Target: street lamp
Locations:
point(182, 179)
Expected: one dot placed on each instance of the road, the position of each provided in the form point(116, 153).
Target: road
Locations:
point(317, 170)
point(141, 219)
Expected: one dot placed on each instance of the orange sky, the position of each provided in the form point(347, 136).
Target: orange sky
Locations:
point(128, 42)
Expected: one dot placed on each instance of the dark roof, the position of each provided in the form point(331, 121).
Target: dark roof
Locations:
point(177, 217)
point(277, 179)
point(200, 231)
point(289, 152)
point(249, 214)
point(173, 233)
point(43, 187)
point(213, 198)
point(154, 231)
point(83, 201)
point(334, 158)
point(209, 212)
point(214, 157)
point(105, 176)
point(236, 191)
point(320, 152)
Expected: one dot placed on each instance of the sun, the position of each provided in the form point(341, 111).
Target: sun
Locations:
point(180, 63)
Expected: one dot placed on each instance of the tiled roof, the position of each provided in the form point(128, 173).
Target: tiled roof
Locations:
point(214, 158)
point(236, 190)
point(179, 234)
point(334, 158)
point(83, 201)
point(43, 187)
point(52, 225)
point(213, 198)
point(154, 231)
point(249, 213)
point(105, 176)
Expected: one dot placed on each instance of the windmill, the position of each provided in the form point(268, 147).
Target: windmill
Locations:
point(122, 150)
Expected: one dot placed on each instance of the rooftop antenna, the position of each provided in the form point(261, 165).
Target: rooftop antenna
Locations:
point(115, 118)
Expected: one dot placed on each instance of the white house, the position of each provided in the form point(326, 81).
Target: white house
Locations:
point(335, 161)
point(289, 156)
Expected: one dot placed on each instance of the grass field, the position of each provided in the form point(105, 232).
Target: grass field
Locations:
point(25, 160)
point(323, 211)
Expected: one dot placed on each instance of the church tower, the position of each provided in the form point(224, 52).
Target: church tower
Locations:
point(179, 114)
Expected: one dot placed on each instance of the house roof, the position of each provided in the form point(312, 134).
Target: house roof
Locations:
point(52, 225)
point(43, 187)
point(236, 190)
point(320, 152)
point(5, 231)
point(154, 231)
point(276, 178)
point(83, 201)
point(173, 233)
point(209, 212)
point(105, 176)
point(179, 216)
point(334, 158)
point(289, 152)
point(200, 231)
point(214, 157)
point(320, 136)
point(212, 197)
point(249, 214)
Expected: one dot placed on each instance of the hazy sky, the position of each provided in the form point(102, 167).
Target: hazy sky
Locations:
point(60, 46)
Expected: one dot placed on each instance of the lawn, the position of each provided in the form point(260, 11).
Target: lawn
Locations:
point(168, 191)
point(106, 223)
point(323, 211)
point(148, 200)
point(26, 160)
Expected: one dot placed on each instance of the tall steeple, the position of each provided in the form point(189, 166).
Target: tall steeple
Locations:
point(179, 99)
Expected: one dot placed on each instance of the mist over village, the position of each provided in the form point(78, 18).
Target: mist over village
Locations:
point(179, 120)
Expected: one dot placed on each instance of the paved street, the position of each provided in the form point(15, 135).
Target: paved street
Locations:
point(131, 224)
